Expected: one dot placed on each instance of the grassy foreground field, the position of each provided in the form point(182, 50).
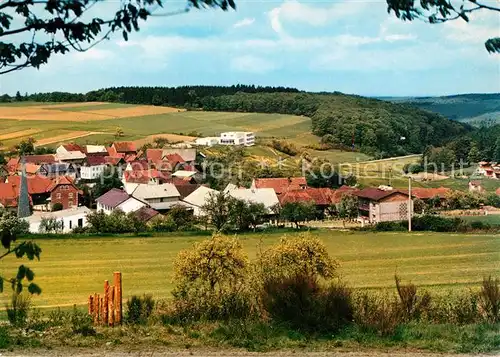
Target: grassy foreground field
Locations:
point(71, 269)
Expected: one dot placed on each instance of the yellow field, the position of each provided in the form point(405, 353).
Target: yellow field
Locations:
point(53, 112)
point(72, 135)
point(18, 134)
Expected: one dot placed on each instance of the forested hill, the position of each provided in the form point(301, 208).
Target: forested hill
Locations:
point(476, 109)
point(376, 127)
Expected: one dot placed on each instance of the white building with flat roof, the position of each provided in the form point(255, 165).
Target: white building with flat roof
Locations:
point(245, 138)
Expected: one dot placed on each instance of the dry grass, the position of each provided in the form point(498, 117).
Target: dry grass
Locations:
point(173, 138)
point(18, 134)
point(53, 113)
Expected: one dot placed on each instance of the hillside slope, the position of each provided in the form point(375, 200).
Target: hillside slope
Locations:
point(475, 109)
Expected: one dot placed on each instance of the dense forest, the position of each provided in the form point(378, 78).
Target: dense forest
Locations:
point(378, 127)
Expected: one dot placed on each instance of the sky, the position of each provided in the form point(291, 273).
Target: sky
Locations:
point(348, 46)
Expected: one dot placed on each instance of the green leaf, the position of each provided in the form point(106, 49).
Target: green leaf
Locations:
point(34, 289)
point(1, 285)
point(125, 35)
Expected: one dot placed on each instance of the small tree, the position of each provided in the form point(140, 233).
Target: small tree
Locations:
point(418, 205)
point(57, 207)
point(119, 132)
point(26, 147)
point(244, 215)
point(474, 155)
point(297, 212)
point(303, 255)
point(348, 207)
point(108, 180)
point(181, 217)
point(50, 225)
point(217, 210)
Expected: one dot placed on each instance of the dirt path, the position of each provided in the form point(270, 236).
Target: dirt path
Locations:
point(220, 353)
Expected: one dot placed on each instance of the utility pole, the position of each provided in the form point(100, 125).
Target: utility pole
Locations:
point(410, 203)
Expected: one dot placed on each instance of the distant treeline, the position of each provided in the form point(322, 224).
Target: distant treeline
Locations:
point(184, 96)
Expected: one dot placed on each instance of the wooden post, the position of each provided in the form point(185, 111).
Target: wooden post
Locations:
point(117, 280)
point(96, 309)
point(105, 307)
point(91, 305)
point(111, 309)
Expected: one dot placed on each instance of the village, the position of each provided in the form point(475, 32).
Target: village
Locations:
point(154, 181)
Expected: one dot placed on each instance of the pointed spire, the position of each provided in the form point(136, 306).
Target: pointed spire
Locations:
point(23, 207)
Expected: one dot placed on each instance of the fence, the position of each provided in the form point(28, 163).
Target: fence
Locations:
point(107, 309)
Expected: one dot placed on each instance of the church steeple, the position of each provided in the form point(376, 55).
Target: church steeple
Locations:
point(23, 206)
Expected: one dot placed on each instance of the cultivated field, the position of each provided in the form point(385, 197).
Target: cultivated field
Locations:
point(71, 269)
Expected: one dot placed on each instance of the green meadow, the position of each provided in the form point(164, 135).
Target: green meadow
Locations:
point(72, 268)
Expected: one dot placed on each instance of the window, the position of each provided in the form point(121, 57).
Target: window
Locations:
point(80, 222)
point(70, 195)
point(58, 196)
point(70, 224)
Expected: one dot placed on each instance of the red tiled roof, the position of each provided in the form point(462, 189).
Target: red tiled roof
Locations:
point(174, 159)
point(40, 159)
point(12, 164)
point(73, 147)
point(64, 180)
point(8, 195)
point(36, 184)
point(376, 194)
point(146, 213)
point(129, 157)
point(113, 197)
point(139, 165)
point(96, 160)
point(113, 160)
point(154, 154)
point(281, 185)
point(320, 196)
point(144, 176)
point(427, 193)
point(124, 146)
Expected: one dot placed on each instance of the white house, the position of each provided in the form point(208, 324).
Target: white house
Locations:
point(237, 138)
point(159, 197)
point(93, 169)
point(71, 218)
point(198, 198)
point(208, 141)
point(116, 199)
point(95, 150)
point(266, 196)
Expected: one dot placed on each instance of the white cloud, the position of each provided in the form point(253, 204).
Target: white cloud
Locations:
point(293, 10)
point(474, 31)
point(245, 22)
point(94, 54)
point(252, 64)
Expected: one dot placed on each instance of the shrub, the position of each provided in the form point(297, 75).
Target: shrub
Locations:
point(139, 309)
point(479, 225)
point(180, 217)
point(284, 147)
point(303, 304)
point(390, 226)
point(18, 309)
point(489, 299)
point(57, 207)
point(5, 340)
point(411, 305)
point(454, 308)
point(81, 323)
point(163, 225)
point(376, 313)
point(210, 280)
point(50, 225)
point(302, 255)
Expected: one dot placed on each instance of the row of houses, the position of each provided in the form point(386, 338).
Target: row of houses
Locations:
point(88, 162)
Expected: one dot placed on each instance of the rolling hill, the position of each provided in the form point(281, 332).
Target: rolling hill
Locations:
point(475, 109)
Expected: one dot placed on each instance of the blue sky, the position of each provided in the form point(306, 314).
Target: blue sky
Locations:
point(349, 46)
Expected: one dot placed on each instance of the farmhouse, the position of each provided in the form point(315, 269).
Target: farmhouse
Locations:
point(322, 198)
point(38, 189)
point(159, 197)
point(71, 153)
point(377, 205)
point(198, 198)
point(116, 199)
point(265, 196)
point(124, 149)
point(58, 169)
point(71, 219)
